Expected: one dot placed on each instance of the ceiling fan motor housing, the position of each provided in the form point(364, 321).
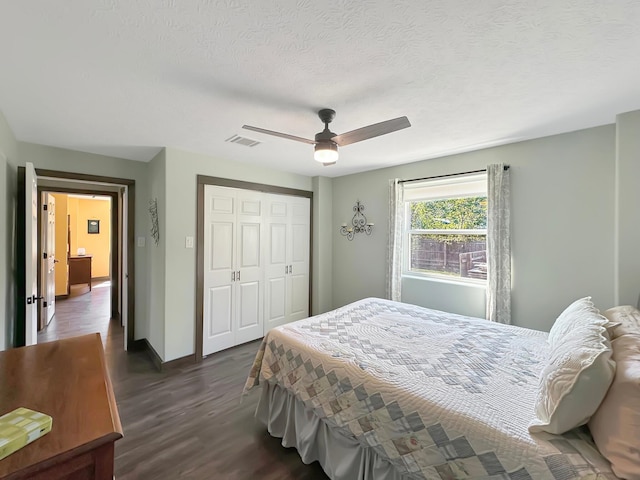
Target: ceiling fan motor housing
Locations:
point(325, 136)
point(326, 115)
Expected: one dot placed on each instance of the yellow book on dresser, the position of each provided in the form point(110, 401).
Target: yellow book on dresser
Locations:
point(21, 427)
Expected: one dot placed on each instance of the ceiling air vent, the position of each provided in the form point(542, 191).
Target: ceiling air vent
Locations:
point(247, 142)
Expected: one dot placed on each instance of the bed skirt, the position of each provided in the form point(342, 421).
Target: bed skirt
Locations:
point(341, 458)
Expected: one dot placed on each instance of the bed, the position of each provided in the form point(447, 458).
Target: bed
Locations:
point(389, 391)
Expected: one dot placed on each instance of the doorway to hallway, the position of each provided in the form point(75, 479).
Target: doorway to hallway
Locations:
point(29, 253)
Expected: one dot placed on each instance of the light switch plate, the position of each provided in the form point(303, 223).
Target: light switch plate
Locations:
point(188, 242)
point(141, 241)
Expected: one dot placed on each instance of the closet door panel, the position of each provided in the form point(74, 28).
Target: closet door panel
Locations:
point(278, 207)
point(250, 204)
point(299, 236)
point(298, 292)
point(276, 308)
point(248, 313)
point(220, 299)
point(250, 245)
point(299, 243)
point(287, 270)
point(219, 259)
point(221, 234)
point(249, 267)
point(277, 244)
point(276, 267)
point(298, 297)
point(218, 319)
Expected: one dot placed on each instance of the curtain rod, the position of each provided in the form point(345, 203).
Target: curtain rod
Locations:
point(506, 167)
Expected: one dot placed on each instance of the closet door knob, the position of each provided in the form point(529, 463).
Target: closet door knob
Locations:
point(233, 276)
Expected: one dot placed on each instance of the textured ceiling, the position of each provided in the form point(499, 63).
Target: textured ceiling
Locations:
point(125, 78)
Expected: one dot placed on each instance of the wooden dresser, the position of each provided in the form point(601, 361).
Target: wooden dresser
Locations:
point(80, 270)
point(68, 380)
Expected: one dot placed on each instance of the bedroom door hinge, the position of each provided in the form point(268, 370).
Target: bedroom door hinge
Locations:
point(45, 206)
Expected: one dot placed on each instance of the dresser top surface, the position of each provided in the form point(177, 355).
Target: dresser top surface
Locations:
point(68, 380)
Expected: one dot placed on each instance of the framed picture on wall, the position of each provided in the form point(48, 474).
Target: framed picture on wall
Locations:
point(93, 226)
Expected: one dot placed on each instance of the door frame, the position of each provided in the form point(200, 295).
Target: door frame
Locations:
point(130, 184)
point(114, 249)
point(202, 181)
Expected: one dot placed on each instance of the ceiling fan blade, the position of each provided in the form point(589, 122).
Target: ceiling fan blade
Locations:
point(371, 131)
point(278, 134)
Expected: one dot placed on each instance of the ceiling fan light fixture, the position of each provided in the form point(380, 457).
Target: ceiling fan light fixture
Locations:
point(325, 152)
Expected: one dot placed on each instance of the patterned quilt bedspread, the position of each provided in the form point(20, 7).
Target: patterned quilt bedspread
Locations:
point(438, 395)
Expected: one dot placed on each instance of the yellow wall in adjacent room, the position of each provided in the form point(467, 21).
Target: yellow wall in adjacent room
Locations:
point(62, 275)
point(97, 244)
point(72, 209)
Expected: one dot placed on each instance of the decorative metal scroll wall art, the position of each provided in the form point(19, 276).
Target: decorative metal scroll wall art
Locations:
point(359, 223)
point(153, 212)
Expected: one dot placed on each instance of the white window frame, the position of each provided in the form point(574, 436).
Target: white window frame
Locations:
point(440, 189)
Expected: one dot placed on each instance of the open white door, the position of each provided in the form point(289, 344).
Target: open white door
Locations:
point(49, 257)
point(31, 255)
point(125, 271)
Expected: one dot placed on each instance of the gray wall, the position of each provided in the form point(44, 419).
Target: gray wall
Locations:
point(562, 228)
point(628, 208)
point(60, 159)
point(8, 179)
point(157, 295)
point(182, 169)
point(322, 291)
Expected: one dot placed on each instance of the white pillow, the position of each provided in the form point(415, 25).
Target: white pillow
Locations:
point(579, 312)
point(576, 378)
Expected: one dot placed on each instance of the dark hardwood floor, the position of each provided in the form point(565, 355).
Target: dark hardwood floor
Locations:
point(83, 312)
point(186, 423)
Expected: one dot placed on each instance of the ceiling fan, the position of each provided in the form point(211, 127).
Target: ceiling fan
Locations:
point(326, 142)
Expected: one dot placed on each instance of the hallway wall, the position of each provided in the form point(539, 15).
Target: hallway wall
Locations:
point(81, 211)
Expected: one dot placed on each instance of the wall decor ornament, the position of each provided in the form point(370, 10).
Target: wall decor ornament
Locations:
point(153, 212)
point(359, 223)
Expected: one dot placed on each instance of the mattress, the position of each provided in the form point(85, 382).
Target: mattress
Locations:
point(437, 395)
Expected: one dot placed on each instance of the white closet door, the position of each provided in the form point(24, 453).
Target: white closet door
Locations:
point(249, 271)
point(298, 278)
point(219, 269)
point(276, 266)
point(287, 263)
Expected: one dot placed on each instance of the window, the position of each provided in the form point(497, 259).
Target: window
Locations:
point(446, 228)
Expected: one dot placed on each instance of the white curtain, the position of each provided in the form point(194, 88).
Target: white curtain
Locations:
point(394, 252)
point(498, 244)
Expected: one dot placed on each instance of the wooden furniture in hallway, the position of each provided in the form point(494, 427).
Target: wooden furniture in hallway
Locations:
point(80, 270)
point(68, 380)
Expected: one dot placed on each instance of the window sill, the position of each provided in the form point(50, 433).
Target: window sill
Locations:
point(450, 281)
